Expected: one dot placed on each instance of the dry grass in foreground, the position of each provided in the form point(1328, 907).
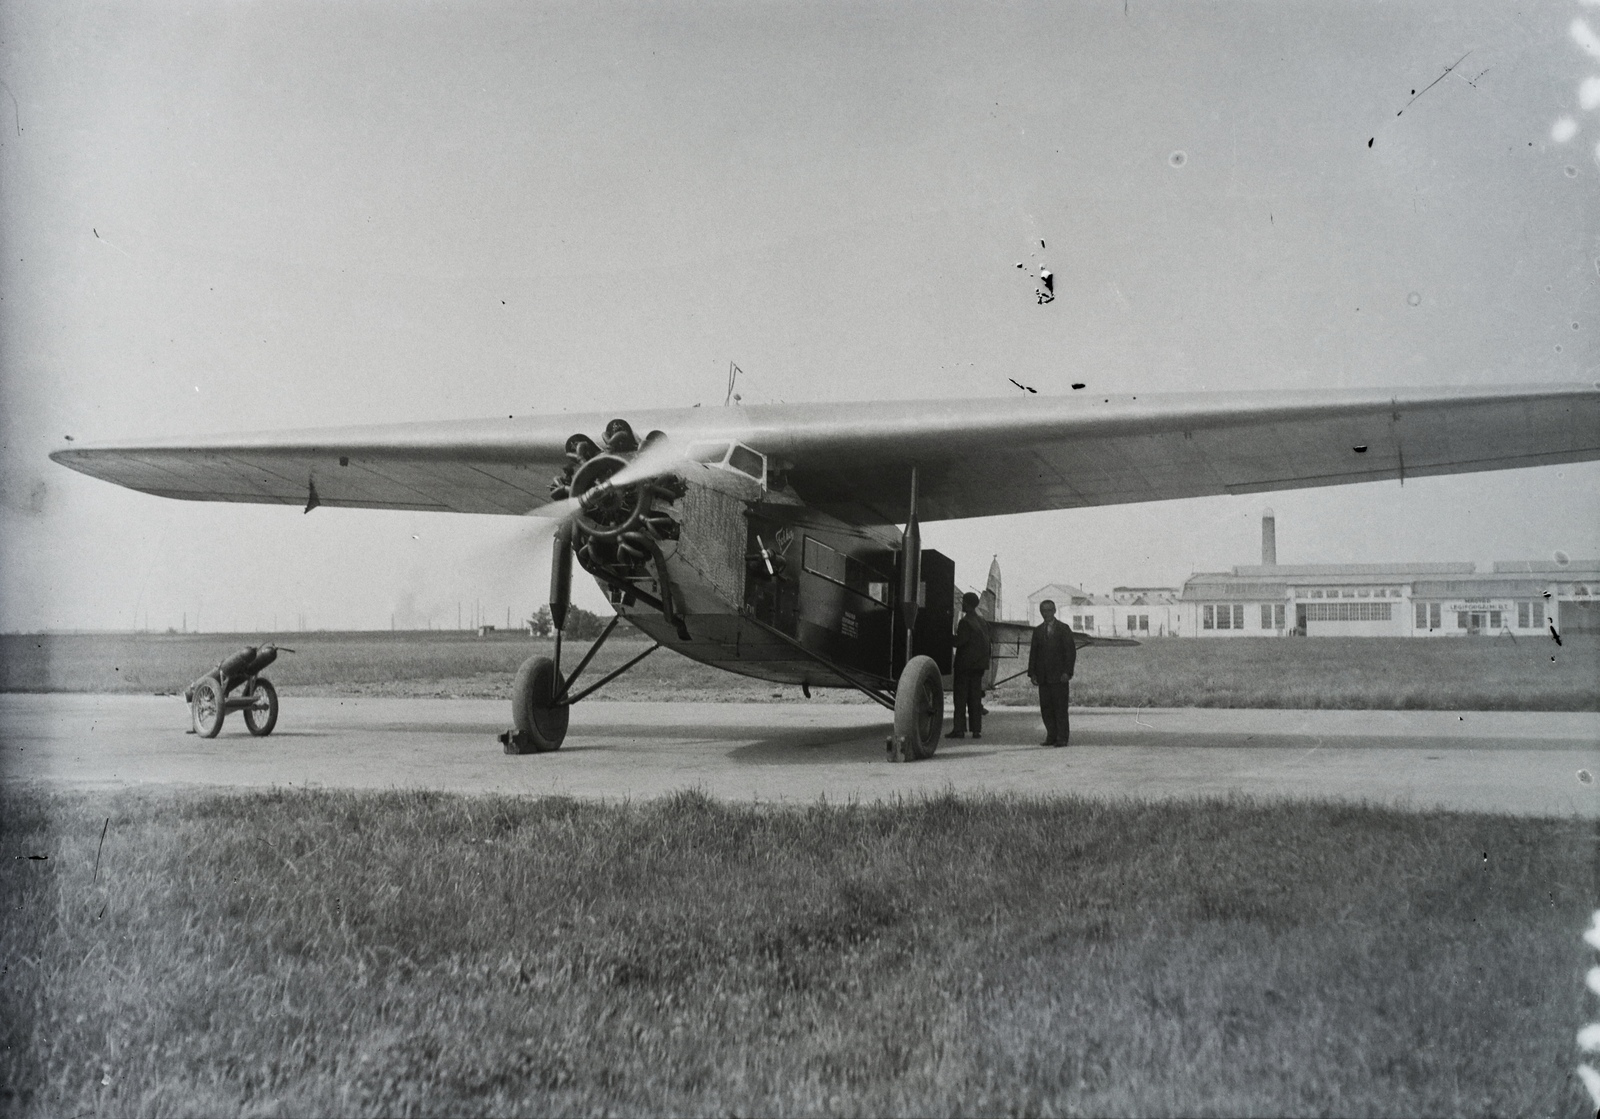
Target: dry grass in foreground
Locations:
point(357, 954)
point(1457, 674)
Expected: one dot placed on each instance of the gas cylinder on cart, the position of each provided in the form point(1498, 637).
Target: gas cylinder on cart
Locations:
point(247, 662)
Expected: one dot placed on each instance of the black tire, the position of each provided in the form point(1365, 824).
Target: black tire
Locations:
point(208, 707)
point(919, 709)
point(541, 724)
point(259, 722)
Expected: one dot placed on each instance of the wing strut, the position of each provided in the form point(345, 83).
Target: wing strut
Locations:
point(910, 566)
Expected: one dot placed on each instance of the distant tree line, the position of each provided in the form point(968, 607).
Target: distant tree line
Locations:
point(582, 625)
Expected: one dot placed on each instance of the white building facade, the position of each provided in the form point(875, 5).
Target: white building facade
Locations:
point(1125, 612)
point(1391, 600)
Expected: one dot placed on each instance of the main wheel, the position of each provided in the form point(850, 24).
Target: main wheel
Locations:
point(919, 708)
point(262, 722)
point(541, 723)
point(207, 707)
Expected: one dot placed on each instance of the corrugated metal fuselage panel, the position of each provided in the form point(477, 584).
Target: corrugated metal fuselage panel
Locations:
point(725, 588)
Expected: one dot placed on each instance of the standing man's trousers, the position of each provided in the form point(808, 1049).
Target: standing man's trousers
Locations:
point(1053, 710)
point(968, 688)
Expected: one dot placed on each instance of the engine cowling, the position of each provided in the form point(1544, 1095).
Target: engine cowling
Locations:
point(616, 526)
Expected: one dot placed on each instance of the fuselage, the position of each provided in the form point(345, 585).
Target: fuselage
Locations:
point(760, 584)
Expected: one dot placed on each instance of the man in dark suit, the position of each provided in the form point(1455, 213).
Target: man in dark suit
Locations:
point(972, 661)
point(1051, 658)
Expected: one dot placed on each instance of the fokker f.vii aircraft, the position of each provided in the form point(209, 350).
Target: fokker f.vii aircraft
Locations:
point(763, 540)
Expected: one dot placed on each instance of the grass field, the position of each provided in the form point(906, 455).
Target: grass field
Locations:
point(1466, 674)
point(323, 953)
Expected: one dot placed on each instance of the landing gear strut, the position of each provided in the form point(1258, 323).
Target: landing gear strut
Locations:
point(541, 699)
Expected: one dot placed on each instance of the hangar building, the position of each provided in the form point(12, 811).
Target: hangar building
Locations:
point(1344, 600)
point(1389, 600)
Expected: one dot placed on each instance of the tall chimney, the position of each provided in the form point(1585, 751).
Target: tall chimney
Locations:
point(1269, 539)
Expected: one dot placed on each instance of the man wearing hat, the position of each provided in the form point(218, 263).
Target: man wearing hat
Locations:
point(972, 661)
point(1051, 658)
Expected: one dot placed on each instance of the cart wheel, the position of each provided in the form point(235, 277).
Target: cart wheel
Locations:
point(207, 707)
point(919, 708)
point(261, 722)
point(541, 725)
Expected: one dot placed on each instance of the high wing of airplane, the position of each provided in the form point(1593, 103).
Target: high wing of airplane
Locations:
point(762, 539)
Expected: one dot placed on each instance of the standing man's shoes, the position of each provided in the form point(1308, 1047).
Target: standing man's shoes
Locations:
point(977, 734)
point(1049, 742)
point(958, 734)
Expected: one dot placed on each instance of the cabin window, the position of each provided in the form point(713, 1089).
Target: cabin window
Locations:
point(1208, 618)
point(1266, 616)
point(1224, 618)
point(1435, 614)
point(836, 567)
point(1144, 623)
point(824, 561)
point(1277, 615)
point(1495, 618)
point(1538, 613)
point(1422, 615)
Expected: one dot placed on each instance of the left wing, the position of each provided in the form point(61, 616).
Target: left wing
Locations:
point(974, 458)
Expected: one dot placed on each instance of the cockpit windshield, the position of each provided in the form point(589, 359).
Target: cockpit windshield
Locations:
point(710, 453)
point(731, 456)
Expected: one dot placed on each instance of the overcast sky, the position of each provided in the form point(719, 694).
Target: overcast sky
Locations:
point(245, 216)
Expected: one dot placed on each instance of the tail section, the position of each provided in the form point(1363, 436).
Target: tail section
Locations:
point(989, 602)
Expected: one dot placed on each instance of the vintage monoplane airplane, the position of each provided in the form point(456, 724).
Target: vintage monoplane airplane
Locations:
point(783, 542)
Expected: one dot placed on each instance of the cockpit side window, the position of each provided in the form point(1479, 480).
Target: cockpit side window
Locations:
point(746, 461)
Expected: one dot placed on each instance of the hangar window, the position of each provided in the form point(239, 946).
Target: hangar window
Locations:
point(1422, 615)
point(1133, 622)
point(1144, 623)
point(1266, 616)
point(1435, 614)
point(1348, 612)
point(1209, 617)
point(1316, 594)
point(1238, 616)
point(1277, 616)
point(1495, 618)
